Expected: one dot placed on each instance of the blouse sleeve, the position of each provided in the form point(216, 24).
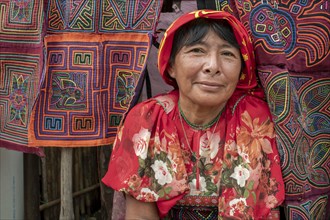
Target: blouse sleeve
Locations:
point(145, 162)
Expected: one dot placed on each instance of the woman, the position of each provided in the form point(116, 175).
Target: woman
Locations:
point(206, 149)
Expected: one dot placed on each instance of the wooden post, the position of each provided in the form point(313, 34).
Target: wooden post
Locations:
point(106, 192)
point(66, 185)
point(44, 188)
point(31, 186)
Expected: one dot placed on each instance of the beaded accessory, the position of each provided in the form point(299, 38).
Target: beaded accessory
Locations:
point(193, 213)
point(199, 127)
point(194, 156)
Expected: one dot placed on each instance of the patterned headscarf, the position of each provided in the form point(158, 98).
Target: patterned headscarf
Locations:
point(247, 80)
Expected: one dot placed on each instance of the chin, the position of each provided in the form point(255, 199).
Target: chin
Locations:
point(209, 103)
point(213, 100)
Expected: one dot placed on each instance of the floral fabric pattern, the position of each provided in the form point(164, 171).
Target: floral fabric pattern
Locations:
point(239, 163)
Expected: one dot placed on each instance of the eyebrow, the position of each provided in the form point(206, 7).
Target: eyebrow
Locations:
point(223, 46)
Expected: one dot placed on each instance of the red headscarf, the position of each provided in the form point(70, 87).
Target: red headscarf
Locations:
point(247, 80)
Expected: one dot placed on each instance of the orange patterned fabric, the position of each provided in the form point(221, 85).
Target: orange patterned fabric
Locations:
point(89, 84)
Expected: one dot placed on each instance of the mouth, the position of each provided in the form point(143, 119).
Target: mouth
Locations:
point(209, 84)
point(209, 87)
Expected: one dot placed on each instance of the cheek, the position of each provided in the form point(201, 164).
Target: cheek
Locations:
point(186, 71)
point(233, 71)
point(233, 85)
point(233, 76)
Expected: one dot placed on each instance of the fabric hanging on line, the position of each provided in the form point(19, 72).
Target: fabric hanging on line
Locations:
point(96, 57)
point(89, 83)
point(21, 63)
point(96, 53)
point(291, 42)
point(104, 16)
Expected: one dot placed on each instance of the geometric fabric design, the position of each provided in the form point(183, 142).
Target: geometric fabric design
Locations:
point(286, 30)
point(141, 17)
point(301, 115)
point(21, 64)
point(21, 21)
point(196, 213)
point(19, 74)
point(102, 16)
point(98, 76)
point(314, 208)
point(89, 83)
point(68, 15)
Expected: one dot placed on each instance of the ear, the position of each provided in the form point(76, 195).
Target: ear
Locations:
point(171, 71)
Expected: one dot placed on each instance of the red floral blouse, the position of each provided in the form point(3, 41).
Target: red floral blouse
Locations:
point(237, 159)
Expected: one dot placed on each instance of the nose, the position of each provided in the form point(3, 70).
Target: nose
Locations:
point(212, 64)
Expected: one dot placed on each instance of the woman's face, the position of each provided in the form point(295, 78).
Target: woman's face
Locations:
point(207, 72)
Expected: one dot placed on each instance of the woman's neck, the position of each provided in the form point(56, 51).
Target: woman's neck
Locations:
point(200, 116)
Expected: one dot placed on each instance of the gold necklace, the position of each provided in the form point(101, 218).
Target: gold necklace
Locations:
point(194, 156)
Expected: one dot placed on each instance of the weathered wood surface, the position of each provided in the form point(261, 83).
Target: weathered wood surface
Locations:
point(66, 185)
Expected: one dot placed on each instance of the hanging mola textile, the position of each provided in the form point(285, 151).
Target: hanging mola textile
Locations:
point(95, 57)
point(291, 40)
point(21, 64)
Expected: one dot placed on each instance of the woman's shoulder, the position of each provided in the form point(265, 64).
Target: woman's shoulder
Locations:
point(250, 103)
point(165, 102)
point(168, 101)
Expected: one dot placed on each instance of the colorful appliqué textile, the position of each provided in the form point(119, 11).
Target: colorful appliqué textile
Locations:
point(152, 161)
point(291, 39)
point(96, 53)
point(21, 63)
point(85, 88)
point(103, 16)
point(88, 84)
point(21, 22)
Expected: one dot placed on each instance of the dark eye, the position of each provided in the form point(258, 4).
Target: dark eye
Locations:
point(227, 53)
point(196, 50)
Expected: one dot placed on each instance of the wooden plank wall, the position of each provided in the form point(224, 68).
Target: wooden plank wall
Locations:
point(85, 183)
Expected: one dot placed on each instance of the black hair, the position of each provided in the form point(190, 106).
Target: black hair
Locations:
point(194, 31)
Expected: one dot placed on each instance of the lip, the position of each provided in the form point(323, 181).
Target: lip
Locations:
point(208, 84)
point(209, 87)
